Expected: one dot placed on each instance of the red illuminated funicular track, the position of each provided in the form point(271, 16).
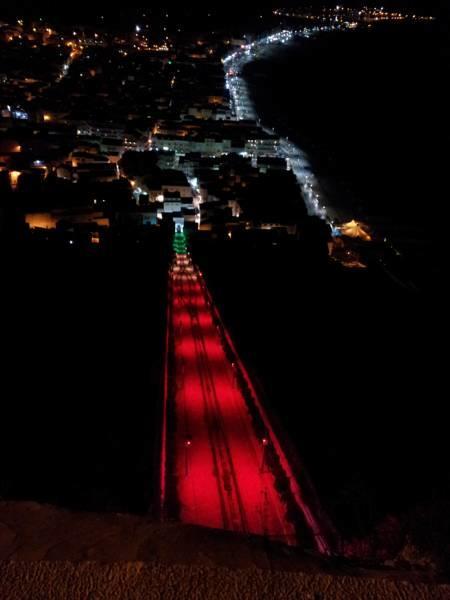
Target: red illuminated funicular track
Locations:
point(221, 465)
point(223, 481)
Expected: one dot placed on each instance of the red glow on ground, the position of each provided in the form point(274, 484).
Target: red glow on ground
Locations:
point(222, 482)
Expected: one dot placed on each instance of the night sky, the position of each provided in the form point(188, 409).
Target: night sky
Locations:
point(86, 12)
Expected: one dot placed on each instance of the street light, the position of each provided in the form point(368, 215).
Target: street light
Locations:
point(265, 444)
point(187, 446)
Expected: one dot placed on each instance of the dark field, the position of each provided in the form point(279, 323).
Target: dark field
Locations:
point(82, 339)
point(354, 369)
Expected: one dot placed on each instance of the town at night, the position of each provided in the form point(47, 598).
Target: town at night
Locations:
point(223, 247)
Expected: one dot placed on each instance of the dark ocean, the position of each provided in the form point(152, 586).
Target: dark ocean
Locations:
point(371, 109)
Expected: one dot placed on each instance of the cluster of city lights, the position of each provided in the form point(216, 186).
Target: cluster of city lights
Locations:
point(341, 13)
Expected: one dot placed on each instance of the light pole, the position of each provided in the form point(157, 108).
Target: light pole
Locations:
point(265, 444)
point(187, 447)
point(235, 377)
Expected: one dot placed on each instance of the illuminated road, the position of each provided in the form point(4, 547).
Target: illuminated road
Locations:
point(222, 477)
point(242, 108)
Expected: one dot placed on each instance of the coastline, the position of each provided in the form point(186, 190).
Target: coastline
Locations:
point(380, 161)
point(243, 109)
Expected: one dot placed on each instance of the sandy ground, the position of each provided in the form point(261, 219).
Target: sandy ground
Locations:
point(51, 554)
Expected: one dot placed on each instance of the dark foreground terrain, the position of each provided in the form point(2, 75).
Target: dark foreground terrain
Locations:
point(53, 554)
point(82, 338)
